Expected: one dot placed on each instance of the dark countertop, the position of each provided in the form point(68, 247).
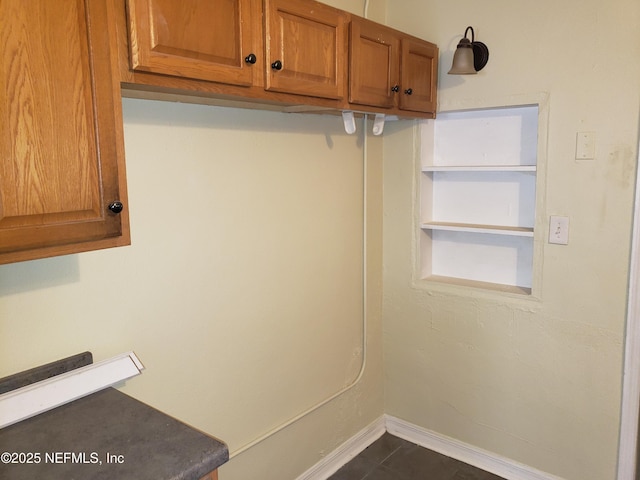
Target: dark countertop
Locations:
point(73, 442)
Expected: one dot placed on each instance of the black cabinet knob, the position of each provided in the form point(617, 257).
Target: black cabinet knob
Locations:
point(395, 88)
point(251, 58)
point(116, 207)
point(409, 91)
point(277, 65)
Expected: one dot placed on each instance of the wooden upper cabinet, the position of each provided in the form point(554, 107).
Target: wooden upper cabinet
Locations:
point(418, 75)
point(306, 48)
point(61, 151)
point(306, 53)
point(389, 69)
point(374, 73)
point(200, 39)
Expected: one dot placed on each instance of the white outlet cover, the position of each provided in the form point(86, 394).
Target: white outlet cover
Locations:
point(585, 146)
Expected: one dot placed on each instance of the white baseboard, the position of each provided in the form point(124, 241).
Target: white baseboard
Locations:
point(345, 452)
point(490, 462)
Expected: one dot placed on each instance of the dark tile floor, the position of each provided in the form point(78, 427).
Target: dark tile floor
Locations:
point(391, 458)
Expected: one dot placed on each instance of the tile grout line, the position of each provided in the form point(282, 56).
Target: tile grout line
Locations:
point(390, 455)
point(381, 463)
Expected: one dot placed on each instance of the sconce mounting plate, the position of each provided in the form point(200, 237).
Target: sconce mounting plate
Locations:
point(480, 55)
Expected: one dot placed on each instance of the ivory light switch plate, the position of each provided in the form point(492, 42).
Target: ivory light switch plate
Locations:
point(559, 230)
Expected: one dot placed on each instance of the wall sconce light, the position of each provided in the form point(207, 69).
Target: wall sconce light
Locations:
point(470, 56)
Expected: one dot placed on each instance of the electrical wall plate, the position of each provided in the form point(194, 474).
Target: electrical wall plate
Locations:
point(585, 145)
point(559, 230)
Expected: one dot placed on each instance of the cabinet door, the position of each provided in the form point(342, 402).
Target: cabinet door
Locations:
point(59, 151)
point(419, 74)
point(374, 64)
point(306, 49)
point(201, 39)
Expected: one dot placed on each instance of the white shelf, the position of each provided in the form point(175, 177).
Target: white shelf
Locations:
point(475, 228)
point(497, 287)
point(479, 168)
point(478, 196)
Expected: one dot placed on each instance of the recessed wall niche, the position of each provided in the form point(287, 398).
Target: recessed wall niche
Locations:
point(478, 197)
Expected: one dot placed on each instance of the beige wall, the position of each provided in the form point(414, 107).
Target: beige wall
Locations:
point(534, 380)
point(242, 292)
point(245, 266)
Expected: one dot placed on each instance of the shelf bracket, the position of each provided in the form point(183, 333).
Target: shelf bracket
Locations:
point(349, 122)
point(378, 124)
